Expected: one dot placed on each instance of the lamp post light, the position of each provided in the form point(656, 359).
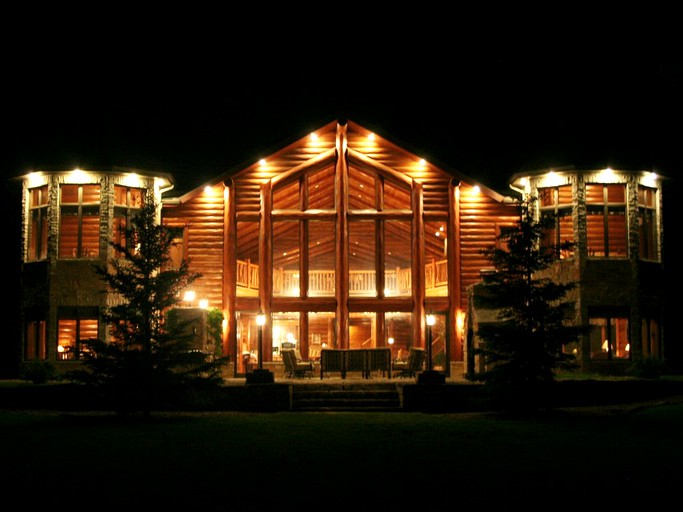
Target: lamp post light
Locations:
point(260, 321)
point(430, 323)
point(260, 375)
point(430, 376)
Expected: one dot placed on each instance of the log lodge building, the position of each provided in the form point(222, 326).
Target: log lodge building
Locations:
point(343, 239)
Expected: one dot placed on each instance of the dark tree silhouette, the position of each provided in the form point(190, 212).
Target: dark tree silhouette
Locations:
point(150, 361)
point(523, 350)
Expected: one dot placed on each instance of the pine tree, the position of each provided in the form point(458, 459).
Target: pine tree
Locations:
point(523, 350)
point(150, 361)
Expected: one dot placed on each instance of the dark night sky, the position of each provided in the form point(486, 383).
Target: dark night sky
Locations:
point(487, 112)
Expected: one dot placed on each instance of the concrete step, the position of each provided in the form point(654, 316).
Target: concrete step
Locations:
point(346, 397)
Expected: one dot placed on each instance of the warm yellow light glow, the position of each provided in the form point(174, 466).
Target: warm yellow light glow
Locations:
point(131, 180)
point(208, 190)
point(262, 162)
point(371, 136)
point(260, 319)
point(390, 341)
point(606, 175)
point(460, 320)
point(36, 179)
point(204, 303)
point(552, 179)
point(60, 348)
point(189, 296)
point(650, 179)
point(314, 136)
point(431, 320)
point(476, 189)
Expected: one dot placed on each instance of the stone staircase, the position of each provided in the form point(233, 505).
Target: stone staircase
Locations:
point(343, 396)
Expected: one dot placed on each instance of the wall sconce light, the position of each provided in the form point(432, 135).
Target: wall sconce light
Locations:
point(189, 297)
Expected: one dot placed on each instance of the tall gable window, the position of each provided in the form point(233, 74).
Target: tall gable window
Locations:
point(606, 220)
point(37, 230)
point(79, 225)
point(380, 236)
point(556, 210)
point(127, 203)
point(304, 235)
point(647, 223)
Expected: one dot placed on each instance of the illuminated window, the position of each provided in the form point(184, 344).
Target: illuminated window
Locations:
point(609, 335)
point(321, 263)
point(286, 258)
point(247, 247)
point(127, 203)
point(320, 187)
point(37, 229)
point(399, 333)
point(436, 257)
point(75, 326)
point(606, 220)
point(79, 226)
point(362, 250)
point(556, 216)
point(647, 223)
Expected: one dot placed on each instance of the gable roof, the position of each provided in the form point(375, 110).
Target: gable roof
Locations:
point(364, 147)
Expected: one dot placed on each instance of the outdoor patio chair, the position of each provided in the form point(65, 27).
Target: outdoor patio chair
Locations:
point(412, 365)
point(295, 368)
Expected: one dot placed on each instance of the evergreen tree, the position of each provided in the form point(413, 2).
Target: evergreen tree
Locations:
point(523, 350)
point(150, 361)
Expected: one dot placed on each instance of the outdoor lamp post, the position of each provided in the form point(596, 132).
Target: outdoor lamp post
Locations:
point(260, 375)
point(430, 376)
point(260, 321)
point(430, 322)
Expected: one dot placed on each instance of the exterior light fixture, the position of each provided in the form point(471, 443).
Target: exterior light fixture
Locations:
point(430, 376)
point(260, 376)
point(189, 297)
point(430, 323)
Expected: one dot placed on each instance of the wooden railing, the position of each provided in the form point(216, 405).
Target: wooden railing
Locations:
point(322, 282)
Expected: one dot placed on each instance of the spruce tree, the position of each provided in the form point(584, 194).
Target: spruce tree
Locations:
point(150, 361)
point(523, 350)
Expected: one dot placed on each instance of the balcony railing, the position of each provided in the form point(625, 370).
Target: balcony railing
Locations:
point(361, 282)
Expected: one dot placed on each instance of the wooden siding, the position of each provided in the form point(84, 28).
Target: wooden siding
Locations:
point(481, 218)
point(202, 219)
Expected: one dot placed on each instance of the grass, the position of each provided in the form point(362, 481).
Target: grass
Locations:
point(342, 461)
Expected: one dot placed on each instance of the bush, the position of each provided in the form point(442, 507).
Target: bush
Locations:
point(647, 368)
point(38, 372)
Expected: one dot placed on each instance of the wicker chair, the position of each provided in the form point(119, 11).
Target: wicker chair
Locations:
point(295, 368)
point(412, 365)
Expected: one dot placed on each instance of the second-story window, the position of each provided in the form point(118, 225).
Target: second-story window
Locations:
point(556, 204)
point(127, 203)
point(647, 223)
point(79, 224)
point(37, 230)
point(606, 220)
